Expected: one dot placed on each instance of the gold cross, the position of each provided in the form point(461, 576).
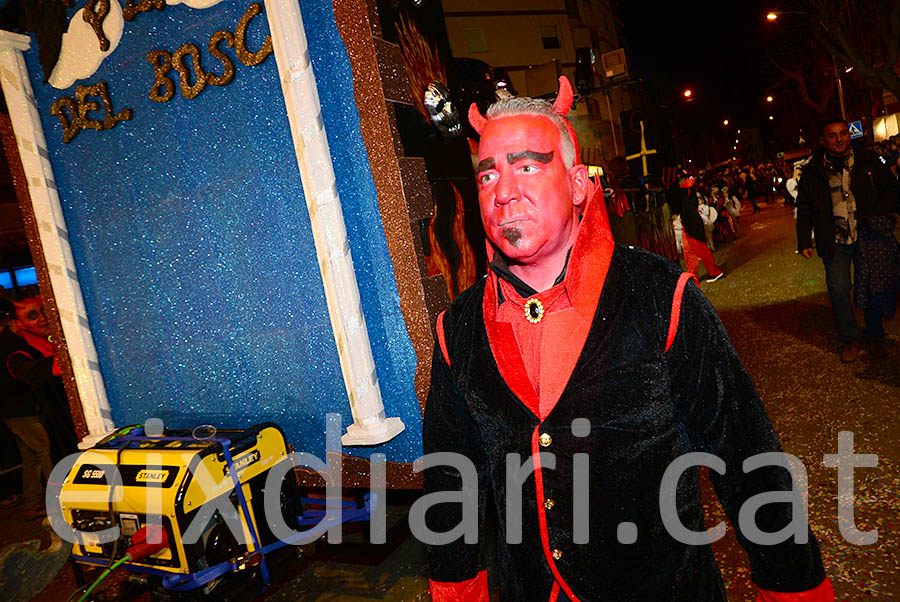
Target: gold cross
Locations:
point(644, 152)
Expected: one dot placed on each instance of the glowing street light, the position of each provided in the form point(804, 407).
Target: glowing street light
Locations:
point(688, 93)
point(769, 99)
point(773, 15)
point(771, 118)
point(725, 122)
point(739, 131)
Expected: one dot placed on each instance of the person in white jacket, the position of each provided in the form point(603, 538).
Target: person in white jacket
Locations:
point(709, 215)
point(733, 207)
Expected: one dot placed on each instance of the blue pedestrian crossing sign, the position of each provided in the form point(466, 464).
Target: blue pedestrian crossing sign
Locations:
point(856, 129)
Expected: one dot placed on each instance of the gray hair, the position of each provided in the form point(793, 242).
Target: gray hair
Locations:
point(523, 105)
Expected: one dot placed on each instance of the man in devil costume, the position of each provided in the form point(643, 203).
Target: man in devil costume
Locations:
point(573, 377)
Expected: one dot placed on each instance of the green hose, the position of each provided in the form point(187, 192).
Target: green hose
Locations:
point(103, 576)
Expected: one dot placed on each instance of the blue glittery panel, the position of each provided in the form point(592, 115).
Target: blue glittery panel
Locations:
point(194, 248)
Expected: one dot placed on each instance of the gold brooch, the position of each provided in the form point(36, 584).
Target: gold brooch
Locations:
point(534, 310)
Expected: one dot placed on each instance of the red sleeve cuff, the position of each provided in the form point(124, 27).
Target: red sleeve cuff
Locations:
point(55, 370)
point(822, 593)
point(470, 590)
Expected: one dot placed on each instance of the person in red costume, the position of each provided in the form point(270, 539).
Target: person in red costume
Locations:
point(20, 410)
point(31, 360)
point(693, 234)
point(572, 378)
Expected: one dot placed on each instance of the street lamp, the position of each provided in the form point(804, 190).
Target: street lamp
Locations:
point(688, 93)
point(771, 117)
point(725, 122)
point(769, 99)
point(773, 15)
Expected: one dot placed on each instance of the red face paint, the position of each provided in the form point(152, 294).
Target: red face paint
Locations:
point(528, 199)
point(30, 316)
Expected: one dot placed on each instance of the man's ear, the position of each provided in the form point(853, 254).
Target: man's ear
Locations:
point(582, 185)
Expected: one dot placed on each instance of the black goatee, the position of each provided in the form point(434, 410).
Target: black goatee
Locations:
point(512, 235)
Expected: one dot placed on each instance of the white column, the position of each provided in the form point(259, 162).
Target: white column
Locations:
point(301, 97)
point(26, 122)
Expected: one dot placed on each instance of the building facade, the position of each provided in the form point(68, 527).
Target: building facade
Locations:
point(534, 40)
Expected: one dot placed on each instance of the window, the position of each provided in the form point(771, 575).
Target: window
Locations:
point(26, 276)
point(549, 37)
point(18, 277)
point(475, 41)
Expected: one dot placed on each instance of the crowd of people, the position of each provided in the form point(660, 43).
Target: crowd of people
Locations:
point(718, 195)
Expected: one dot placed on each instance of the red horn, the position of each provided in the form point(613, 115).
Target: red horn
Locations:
point(563, 101)
point(476, 119)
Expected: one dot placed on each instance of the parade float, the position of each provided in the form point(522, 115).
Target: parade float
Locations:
point(244, 218)
point(229, 212)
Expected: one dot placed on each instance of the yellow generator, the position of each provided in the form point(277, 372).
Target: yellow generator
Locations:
point(154, 488)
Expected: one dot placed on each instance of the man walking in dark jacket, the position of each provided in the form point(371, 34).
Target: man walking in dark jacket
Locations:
point(840, 187)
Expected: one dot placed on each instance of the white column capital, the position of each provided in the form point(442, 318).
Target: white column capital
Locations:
point(14, 41)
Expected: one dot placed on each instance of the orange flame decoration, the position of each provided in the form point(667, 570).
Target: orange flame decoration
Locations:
point(465, 273)
point(436, 262)
point(423, 64)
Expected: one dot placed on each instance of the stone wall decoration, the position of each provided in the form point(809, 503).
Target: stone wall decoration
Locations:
point(452, 238)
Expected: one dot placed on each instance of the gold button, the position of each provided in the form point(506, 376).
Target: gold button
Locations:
point(556, 553)
point(545, 440)
point(549, 503)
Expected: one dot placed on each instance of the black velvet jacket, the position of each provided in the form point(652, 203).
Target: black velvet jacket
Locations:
point(874, 188)
point(646, 407)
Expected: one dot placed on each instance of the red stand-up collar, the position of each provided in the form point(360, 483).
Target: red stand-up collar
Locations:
point(585, 276)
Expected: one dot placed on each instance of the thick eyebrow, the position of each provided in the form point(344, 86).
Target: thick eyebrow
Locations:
point(529, 154)
point(486, 164)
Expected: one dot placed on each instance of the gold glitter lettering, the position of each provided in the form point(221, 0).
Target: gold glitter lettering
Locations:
point(84, 105)
point(240, 37)
point(132, 9)
point(79, 107)
point(69, 122)
point(160, 69)
point(94, 14)
point(228, 74)
point(163, 61)
point(110, 117)
point(187, 90)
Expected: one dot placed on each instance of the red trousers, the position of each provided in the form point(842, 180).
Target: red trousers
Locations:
point(696, 251)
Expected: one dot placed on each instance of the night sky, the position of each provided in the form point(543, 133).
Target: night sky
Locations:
point(714, 48)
